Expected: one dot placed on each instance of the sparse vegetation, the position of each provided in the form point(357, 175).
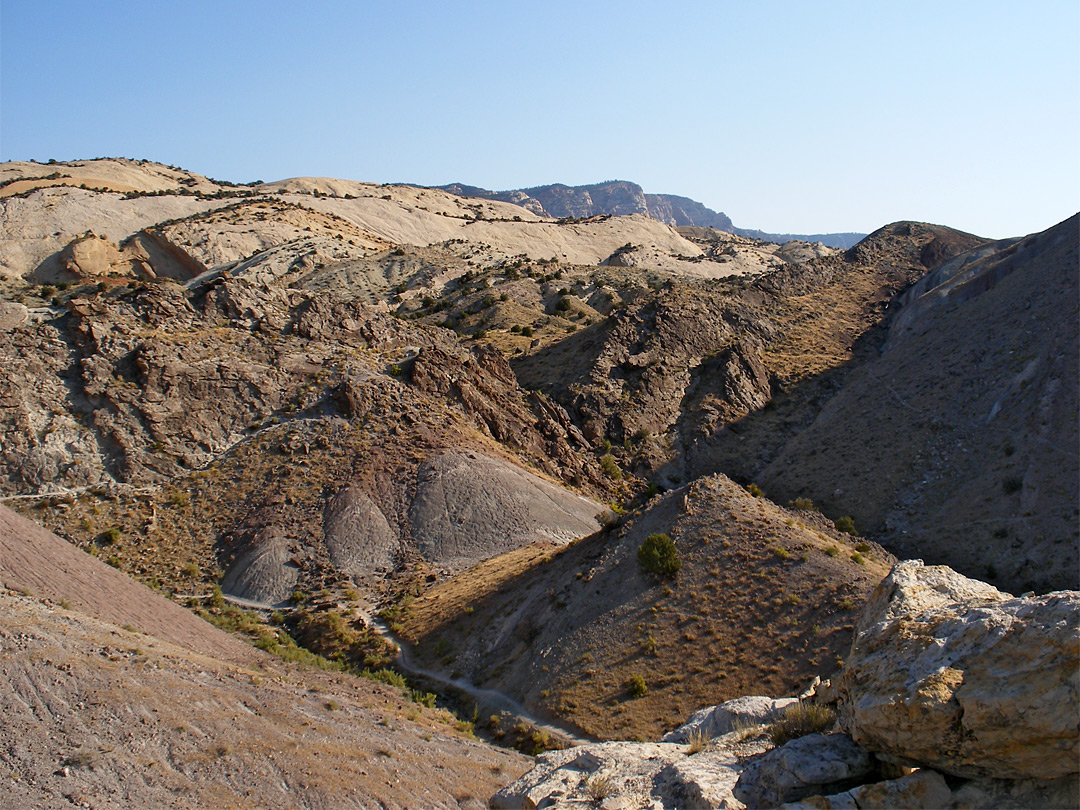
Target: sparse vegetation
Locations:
point(636, 686)
point(696, 742)
point(610, 468)
point(800, 719)
point(658, 555)
point(845, 524)
point(598, 787)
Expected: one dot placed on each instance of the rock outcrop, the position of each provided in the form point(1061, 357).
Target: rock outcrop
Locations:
point(470, 507)
point(263, 572)
point(740, 712)
point(629, 774)
point(806, 766)
point(951, 673)
point(358, 537)
point(974, 689)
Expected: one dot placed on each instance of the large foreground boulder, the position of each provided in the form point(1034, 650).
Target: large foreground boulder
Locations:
point(950, 673)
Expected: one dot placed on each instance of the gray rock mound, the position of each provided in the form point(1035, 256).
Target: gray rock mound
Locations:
point(264, 572)
point(804, 767)
point(358, 536)
point(741, 712)
point(469, 507)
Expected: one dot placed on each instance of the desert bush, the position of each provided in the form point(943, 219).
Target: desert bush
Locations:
point(610, 468)
point(754, 490)
point(636, 685)
point(658, 555)
point(801, 719)
point(696, 742)
point(845, 524)
point(598, 787)
point(805, 504)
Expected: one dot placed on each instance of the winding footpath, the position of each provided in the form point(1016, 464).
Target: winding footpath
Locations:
point(492, 699)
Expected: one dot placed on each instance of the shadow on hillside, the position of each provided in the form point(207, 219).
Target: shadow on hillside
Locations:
point(555, 368)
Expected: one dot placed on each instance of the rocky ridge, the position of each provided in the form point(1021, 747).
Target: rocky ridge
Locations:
point(963, 630)
point(273, 389)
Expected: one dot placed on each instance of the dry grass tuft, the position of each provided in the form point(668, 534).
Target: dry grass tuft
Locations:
point(696, 742)
point(801, 719)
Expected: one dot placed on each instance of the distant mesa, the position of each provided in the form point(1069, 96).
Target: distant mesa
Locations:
point(623, 198)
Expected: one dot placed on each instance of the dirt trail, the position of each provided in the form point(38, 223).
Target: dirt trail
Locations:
point(489, 698)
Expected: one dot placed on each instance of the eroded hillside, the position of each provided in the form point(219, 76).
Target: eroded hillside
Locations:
point(330, 397)
point(568, 630)
point(152, 707)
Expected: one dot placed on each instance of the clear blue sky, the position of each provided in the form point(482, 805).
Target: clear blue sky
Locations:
point(789, 116)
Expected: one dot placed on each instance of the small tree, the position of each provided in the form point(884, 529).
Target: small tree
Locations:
point(658, 555)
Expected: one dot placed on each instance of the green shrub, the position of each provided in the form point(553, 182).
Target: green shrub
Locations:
point(805, 504)
point(754, 490)
point(110, 536)
point(636, 686)
point(845, 524)
point(658, 555)
point(610, 468)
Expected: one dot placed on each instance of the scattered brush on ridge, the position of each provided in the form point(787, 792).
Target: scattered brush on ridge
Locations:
point(763, 600)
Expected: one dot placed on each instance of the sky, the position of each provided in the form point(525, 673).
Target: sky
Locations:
point(788, 116)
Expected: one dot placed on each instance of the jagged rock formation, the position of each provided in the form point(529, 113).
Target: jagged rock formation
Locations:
point(933, 647)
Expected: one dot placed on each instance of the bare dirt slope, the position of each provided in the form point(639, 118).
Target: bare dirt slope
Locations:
point(37, 562)
point(96, 716)
point(958, 444)
point(565, 630)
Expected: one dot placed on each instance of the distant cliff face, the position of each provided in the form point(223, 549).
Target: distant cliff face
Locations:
point(681, 211)
point(621, 198)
